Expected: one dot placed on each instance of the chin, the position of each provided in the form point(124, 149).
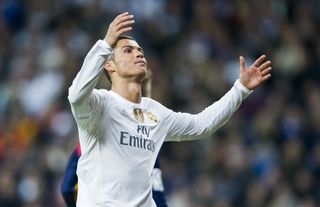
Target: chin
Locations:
point(143, 75)
point(139, 72)
point(143, 71)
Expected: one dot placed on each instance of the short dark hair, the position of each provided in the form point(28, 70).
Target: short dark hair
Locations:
point(111, 57)
point(121, 37)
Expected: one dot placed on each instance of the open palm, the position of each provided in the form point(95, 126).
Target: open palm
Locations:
point(253, 76)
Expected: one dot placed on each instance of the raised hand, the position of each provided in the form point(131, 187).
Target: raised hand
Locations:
point(253, 76)
point(121, 24)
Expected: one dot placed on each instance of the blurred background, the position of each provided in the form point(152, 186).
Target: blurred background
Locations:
point(267, 155)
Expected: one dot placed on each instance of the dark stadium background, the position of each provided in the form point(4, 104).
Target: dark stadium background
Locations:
point(267, 155)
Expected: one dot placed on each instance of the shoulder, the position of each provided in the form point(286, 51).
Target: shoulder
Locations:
point(153, 103)
point(103, 97)
point(102, 93)
point(156, 109)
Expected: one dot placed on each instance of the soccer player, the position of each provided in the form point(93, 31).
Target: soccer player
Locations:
point(70, 181)
point(121, 132)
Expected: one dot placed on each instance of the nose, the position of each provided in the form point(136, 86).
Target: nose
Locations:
point(139, 54)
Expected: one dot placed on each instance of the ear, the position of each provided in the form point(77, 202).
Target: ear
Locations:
point(109, 66)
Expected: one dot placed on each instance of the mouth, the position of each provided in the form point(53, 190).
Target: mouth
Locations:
point(140, 62)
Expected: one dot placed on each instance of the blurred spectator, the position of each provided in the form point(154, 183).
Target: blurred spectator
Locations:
point(267, 155)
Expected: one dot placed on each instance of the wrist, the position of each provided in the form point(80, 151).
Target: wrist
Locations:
point(242, 86)
point(110, 42)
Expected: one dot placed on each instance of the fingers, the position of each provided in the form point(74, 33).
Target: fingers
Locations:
point(265, 65)
point(123, 23)
point(123, 17)
point(257, 64)
point(260, 71)
point(242, 63)
point(259, 61)
point(266, 77)
point(266, 71)
point(126, 28)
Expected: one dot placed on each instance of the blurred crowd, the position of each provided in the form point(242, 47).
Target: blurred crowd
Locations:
point(267, 155)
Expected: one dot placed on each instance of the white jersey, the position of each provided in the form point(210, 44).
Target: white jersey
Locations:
point(120, 140)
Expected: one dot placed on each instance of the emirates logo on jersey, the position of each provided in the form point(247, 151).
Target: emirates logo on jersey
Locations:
point(138, 115)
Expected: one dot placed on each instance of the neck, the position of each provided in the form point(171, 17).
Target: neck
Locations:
point(128, 90)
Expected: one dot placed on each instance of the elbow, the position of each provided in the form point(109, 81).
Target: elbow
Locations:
point(206, 127)
point(73, 96)
point(72, 99)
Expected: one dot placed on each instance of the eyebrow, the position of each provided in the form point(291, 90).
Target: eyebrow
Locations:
point(130, 46)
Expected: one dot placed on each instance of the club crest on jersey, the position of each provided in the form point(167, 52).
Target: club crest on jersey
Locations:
point(152, 117)
point(138, 115)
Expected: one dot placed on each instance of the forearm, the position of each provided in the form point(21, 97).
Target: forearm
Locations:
point(88, 76)
point(216, 115)
point(190, 127)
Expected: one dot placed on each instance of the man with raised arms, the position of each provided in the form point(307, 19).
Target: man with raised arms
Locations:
point(121, 132)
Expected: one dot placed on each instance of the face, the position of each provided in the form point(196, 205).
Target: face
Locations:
point(129, 60)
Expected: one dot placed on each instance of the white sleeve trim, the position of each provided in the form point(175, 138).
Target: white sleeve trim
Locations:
point(242, 87)
point(104, 44)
